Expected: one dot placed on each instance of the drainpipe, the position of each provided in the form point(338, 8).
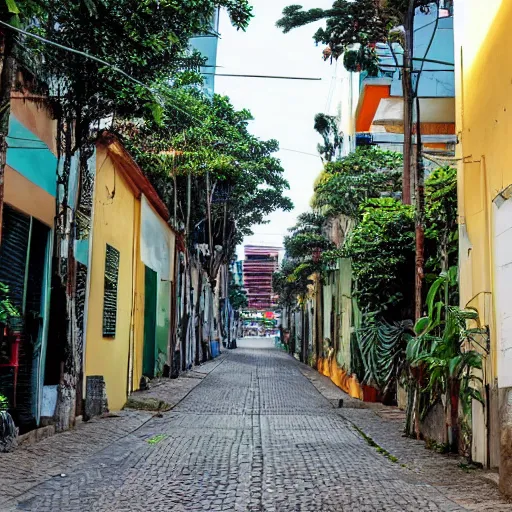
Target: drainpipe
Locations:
point(135, 253)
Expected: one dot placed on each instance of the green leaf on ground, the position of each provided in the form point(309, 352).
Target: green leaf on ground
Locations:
point(156, 439)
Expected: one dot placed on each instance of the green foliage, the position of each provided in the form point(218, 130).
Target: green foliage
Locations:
point(305, 242)
point(237, 296)
point(7, 309)
point(4, 403)
point(365, 58)
point(216, 140)
point(381, 247)
point(441, 233)
point(327, 127)
point(367, 173)
point(288, 284)
point(12, 7)
point(156, 439)
point(307, 237)
point(148, 40)
point(441, 347)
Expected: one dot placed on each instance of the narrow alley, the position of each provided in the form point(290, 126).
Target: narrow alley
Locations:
point(261, 432)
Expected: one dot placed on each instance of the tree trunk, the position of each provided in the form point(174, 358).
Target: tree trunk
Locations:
point(7, 77)
point(198, 329)
point(66, 399)
point(185, 316)
point(304, 345)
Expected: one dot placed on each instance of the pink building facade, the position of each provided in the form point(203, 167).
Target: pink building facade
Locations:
point(259, 265)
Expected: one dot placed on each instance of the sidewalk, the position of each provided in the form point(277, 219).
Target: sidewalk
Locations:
point(473, 489)
point(32, 464)
point(165, 394)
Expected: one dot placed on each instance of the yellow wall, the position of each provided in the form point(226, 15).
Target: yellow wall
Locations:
point(348, 383)
point(114, 224)
point(484, 127)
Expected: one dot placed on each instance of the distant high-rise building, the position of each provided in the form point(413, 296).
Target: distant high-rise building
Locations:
point(206, 44)
point(259, 266)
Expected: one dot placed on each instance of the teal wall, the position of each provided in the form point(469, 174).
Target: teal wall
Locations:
point(31, 157)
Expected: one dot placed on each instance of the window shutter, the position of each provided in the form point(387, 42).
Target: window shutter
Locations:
point(110, 292)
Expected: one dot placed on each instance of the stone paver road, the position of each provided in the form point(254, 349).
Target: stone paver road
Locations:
point(254, 435)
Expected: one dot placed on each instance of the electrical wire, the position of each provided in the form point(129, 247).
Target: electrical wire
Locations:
point(24, 138)
point(126, 75)
point(265, 76)
point(301, 152)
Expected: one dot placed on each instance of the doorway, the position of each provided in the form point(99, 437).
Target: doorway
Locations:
point(150, 305)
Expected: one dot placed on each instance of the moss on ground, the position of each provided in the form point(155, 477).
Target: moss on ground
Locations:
point(147, 404)
point(373, 444)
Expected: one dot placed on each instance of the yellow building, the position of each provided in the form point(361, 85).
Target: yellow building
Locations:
point(484, 126)
point(115, 334)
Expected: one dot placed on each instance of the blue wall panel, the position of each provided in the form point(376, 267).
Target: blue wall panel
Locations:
point(31, 157)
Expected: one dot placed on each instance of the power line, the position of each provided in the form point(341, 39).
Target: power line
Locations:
point(129, 77)
point(270, 234)
point(301, 152)
point(265, 76)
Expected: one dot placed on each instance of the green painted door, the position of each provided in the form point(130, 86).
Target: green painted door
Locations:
point(150, 297)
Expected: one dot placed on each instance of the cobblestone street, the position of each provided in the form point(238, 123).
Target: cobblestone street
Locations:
point(255, 435)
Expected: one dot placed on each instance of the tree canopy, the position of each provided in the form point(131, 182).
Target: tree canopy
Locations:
point(350, 22)
point(212, 143)
point(366, 173)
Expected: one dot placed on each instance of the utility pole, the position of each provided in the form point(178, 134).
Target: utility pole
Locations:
point(407, 89)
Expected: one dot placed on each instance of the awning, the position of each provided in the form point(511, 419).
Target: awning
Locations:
point(432, 110)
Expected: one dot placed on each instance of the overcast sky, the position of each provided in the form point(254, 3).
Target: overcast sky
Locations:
point(283, 109)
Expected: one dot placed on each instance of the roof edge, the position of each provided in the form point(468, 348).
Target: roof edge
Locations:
point(133, 173)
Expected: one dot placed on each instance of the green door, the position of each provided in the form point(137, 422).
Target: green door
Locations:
point(150, 296)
